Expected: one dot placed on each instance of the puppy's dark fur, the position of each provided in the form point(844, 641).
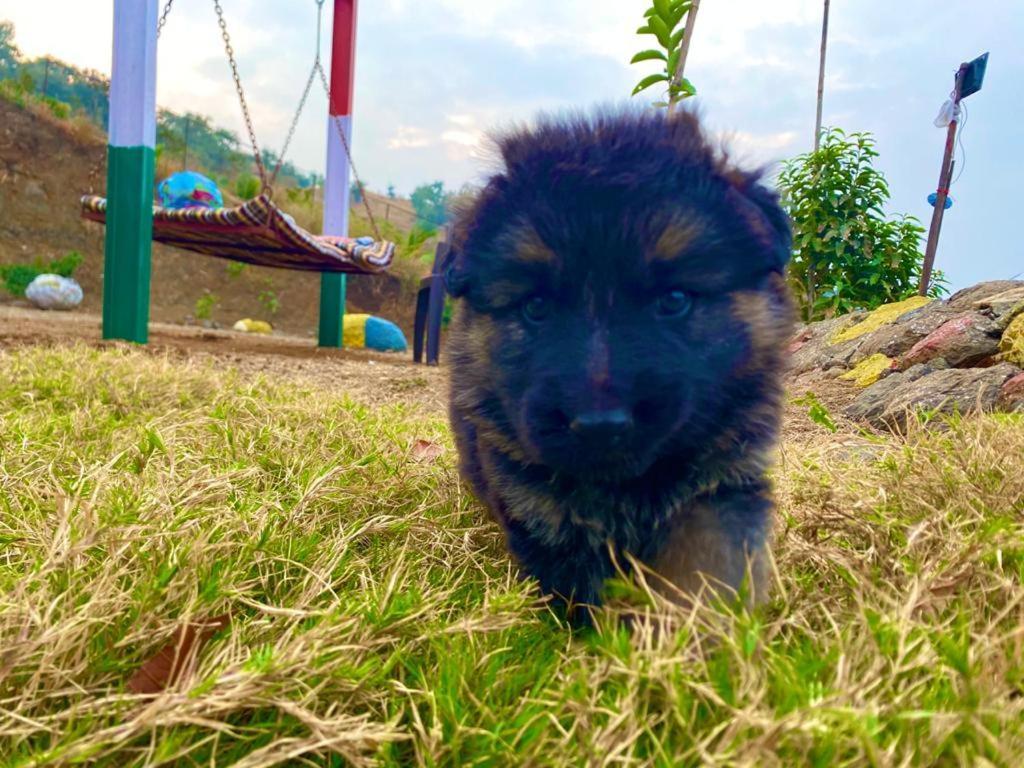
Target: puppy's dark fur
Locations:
point(617, 352)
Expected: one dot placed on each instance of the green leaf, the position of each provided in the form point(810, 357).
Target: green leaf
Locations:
point(676, 39)
point(678, 12)
point(662, 32)
point(648, 55)
point(645, 31)
point(663, 9)
point(650, 80)
point(673, 61)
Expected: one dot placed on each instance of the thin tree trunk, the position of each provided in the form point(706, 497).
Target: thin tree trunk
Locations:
point(821, 76)
point(691, 21)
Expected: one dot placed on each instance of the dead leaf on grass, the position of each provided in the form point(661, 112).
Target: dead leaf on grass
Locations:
point(426, 450)
point(178, 656)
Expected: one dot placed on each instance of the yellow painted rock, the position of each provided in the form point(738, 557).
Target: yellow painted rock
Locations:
point(253, 326)
point(869, 370)
point(1011, 346)
point(879, 317)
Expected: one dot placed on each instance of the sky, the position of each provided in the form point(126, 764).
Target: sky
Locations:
point(433, 77)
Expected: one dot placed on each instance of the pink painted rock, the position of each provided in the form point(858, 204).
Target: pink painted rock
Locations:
point(1011, 396)
point(961, 342)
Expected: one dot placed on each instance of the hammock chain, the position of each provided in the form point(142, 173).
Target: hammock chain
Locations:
point(163, 18)
point(264, 181)
point(294, 125)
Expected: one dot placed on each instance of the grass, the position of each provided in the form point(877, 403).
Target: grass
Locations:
point(374, 618)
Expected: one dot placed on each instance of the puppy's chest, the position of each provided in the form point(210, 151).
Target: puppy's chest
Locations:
point(592, 515)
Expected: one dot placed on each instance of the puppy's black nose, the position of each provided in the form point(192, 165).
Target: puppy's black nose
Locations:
point(608, 427)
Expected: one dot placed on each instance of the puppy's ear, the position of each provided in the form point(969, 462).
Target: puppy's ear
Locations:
point(456, 274)
point(766, 218)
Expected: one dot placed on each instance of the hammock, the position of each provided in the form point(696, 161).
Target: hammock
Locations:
point(257, 232)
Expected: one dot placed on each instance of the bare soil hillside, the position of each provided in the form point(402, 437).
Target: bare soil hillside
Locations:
point(45, 167)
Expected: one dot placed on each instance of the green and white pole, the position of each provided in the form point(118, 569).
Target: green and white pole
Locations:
point(336, 181)
point(130, 168)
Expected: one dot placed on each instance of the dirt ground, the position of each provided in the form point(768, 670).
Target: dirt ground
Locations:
point(45, 168)
point(369, 377)
point(372, 378)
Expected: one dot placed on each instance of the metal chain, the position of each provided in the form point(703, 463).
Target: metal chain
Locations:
point(348, 154)
point(163, 18)
point(305, 95)
point(241, 99)
point(295, 123)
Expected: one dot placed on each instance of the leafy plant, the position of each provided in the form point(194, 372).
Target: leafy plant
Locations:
point(235, 268)
point(664, 18)
point(817, 412)
point(247, 186)
point(17, 277)
point(205, 304)
point(847, 254)
point(66, 265)
point(271, 303)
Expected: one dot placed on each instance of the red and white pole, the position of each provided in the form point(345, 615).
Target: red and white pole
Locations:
point(336, 182)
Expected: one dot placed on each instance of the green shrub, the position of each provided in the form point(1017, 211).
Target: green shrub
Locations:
point(236, 268)
point(247, 186)
point(66, 265)
point(205, 304)
point(271, 303)
point(17, 277)
point(58, 109)
point(847, 254)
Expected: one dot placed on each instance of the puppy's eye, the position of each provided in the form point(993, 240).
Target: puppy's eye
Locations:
point(536, 309)
point(674, 303)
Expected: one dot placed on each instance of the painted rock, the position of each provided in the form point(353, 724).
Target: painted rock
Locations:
point(188, 189)
point(54, 292)
point(253, 326)
point(371, 332)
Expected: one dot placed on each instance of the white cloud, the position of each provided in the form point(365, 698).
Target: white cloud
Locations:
point(409, 137)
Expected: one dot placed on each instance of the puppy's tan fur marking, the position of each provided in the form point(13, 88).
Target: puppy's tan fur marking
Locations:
point(700, 551)
point(679, 235)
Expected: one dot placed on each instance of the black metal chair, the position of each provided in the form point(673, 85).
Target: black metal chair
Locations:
point(429, 310)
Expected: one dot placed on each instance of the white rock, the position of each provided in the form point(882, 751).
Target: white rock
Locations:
point(54, 292)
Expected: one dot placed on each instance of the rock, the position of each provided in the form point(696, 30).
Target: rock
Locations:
point(812, 349)
point(1011, 396)
point(253, 326)
point(869, 370)
point(962, 342)
point(54, 292)
point(370, 332)
point(883, 315)
point(1011, 346)
point(1003, 307)
point(962, 300)
point(896, 338)
point(953, 390)
point(872, 402)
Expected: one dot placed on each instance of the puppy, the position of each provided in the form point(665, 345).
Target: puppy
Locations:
point(616, 353)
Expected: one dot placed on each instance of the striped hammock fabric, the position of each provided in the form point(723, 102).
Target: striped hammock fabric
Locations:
point(257, 232)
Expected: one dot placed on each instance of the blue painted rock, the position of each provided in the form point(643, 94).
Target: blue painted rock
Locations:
point(188, 189)
point(371, 332)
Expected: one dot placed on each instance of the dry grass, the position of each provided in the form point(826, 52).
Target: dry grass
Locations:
point(374, 618)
